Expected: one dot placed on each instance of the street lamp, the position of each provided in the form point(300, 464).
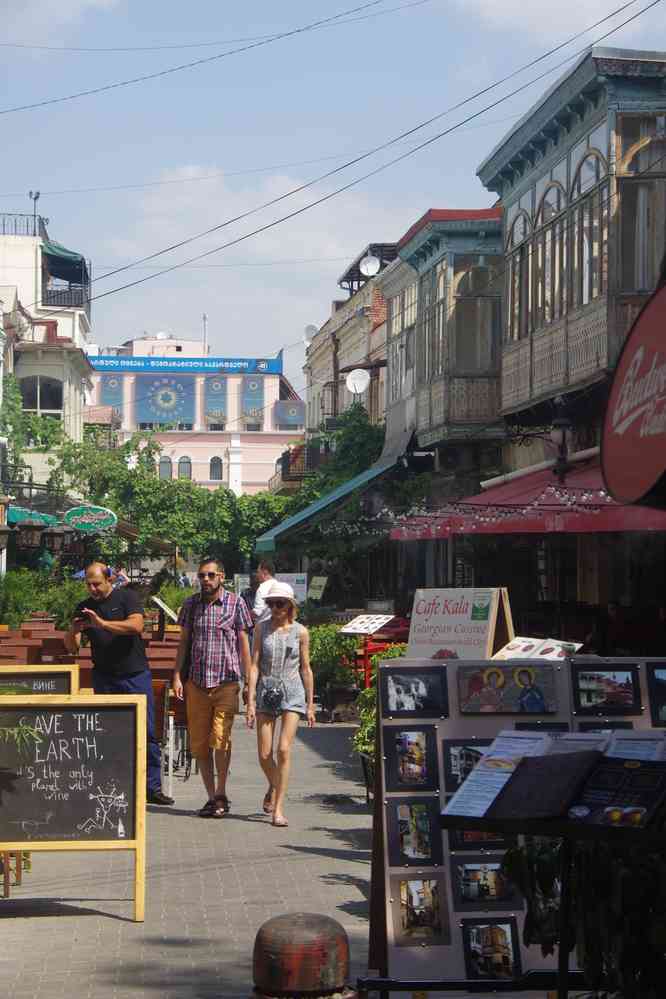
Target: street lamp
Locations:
point(30, 534)
point(560, 437)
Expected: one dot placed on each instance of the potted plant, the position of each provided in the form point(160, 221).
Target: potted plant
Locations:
point(332, 655)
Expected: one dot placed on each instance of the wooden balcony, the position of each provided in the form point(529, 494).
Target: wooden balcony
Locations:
point(293, 466)
point(572, 352)
point(452, 405)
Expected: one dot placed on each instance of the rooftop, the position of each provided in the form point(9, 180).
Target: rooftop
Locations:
point(434, 215)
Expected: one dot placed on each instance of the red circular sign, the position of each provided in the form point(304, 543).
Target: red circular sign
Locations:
point(633, 451)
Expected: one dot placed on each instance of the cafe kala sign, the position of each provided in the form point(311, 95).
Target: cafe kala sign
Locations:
point(633, 452)
point(90, 518)
point(459, 623)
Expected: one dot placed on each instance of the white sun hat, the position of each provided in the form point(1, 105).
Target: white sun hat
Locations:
point(280, 591)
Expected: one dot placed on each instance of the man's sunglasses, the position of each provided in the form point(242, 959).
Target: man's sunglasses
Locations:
point(208, 575)
point(277, 603)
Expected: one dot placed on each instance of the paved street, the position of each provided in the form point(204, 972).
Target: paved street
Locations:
point(210, 885)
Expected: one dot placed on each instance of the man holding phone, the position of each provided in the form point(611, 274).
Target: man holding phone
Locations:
point(113, 621)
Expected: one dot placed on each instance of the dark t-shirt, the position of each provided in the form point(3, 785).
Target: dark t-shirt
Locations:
point(119, 655)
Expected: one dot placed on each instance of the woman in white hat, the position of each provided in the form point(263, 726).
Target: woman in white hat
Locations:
point(281, 686)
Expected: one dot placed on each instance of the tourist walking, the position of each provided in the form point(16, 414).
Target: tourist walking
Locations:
point(213, 657)
point(281, 686)
point(113, 621)
point(263, 577)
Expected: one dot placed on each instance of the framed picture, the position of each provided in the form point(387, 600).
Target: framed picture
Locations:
point(460, 758)
point(477, 883)
point(414, 693)
point(476, 841)
point(507, 688)
point(420, 912)
point(656, 675)
point(414, 836)
point(601, 726)
point(541, 726)
point(410, 758)
point(491, 949)
point(605, 690)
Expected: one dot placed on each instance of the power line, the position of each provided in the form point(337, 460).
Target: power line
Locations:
point(195, 45)
point(188, 65)
point(223, 173)
point(390, 142)
point(346, 187)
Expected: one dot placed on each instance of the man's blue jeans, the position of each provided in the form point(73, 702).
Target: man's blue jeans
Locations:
point(140, 683)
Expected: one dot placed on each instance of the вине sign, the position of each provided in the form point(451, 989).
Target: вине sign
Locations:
point(633, 450)
point(90, 518)
point(47, 679)
point(459, 623)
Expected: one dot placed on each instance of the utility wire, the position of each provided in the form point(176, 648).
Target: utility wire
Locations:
point(188, 65)
point(198, 45)
point(346, 187)
point(224, 173)
point(390, 142)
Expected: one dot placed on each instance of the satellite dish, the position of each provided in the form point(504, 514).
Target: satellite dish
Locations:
point(357, 381)
point(370, 265)
point(309, 333)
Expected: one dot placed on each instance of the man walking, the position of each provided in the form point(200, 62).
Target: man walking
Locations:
point(264, 579)
point(113, 621)
point(213, 657)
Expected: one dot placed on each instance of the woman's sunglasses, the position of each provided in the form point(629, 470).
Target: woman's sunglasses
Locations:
point(277, 603)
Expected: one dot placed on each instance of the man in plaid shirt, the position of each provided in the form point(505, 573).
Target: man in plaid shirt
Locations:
point(213, 657)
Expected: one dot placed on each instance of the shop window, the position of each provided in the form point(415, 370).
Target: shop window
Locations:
point(165, 468)
point(42, 394)
point(184, 468)
point(215, 471)
point(642, 222)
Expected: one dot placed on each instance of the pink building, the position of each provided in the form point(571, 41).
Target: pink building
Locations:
point(220, 420)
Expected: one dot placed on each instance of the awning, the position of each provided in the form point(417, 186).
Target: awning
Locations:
point(536, 503)
point(268, 542)
point(19, 514)
point(68, 265)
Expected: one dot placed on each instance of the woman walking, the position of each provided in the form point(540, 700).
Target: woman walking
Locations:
point(280, 686)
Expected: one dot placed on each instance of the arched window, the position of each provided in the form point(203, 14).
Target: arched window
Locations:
point(184, 468)
point(590, 173)
point(215, 473)
point(520, 229)
point(165, 468)
point(553, 202)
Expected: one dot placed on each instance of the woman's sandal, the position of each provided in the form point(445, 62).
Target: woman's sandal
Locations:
point(208, 809)
point(267, 803)
point(280, 823)
point(221, 806)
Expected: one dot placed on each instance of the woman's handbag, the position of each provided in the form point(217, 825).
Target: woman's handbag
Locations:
point(273, 693)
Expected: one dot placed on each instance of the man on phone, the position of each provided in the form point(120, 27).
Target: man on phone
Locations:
point(113, 621)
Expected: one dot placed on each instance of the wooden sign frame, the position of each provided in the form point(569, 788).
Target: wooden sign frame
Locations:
point(44, 670)
point(137, 845)
point(499, 628)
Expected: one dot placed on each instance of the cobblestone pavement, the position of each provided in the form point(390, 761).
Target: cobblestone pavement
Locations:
point(68, 931)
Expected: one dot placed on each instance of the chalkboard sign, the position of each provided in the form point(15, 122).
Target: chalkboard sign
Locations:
point(25, 680)
point(72, 775)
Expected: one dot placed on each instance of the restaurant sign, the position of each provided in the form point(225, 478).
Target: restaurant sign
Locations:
point(633, 451)
point(90, 518)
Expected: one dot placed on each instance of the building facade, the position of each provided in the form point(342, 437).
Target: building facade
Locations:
point(221, 421)
point(46, 307)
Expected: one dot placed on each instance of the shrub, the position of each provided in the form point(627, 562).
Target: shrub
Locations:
point(363, 740)
point(60, 600)
point(173, 596)
point(331, 655)
point(21, 592)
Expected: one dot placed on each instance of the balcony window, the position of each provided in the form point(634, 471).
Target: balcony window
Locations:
point(42, 395)
point(184, 468)
point(215, 471)
point(216, 426)
point(642, 222)
point(642, 144)
point(165, 468)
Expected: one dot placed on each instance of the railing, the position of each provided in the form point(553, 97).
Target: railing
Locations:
point(73, 297)
point(294, 466)
point(22, 224)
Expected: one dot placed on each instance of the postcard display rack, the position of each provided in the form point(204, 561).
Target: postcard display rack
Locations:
point(447, 913)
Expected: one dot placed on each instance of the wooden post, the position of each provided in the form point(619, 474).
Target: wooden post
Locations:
point(140, 831)
point(5, 874)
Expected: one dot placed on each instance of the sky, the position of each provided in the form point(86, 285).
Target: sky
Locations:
point(195, 148)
